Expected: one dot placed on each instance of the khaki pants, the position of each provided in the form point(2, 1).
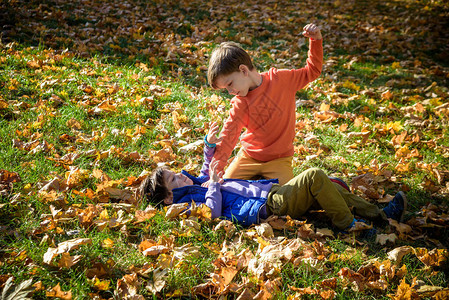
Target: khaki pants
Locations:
point(313, 187)
point(245, 167)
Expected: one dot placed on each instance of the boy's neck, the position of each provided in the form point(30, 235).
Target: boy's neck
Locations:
point(256, 79)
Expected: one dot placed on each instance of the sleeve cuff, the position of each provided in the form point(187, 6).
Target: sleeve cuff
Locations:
point(209, 144)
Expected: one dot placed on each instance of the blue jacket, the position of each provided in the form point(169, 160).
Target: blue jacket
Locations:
point(240, 201)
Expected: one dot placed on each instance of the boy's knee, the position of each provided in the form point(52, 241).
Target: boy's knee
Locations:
point(315, 173)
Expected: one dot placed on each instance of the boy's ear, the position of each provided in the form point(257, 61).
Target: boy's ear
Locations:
point(244, 69)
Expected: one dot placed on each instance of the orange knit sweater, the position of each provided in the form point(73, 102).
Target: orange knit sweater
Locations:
point(268, 112)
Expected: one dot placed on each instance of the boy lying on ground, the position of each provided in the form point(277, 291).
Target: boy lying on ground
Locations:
point(248, 201)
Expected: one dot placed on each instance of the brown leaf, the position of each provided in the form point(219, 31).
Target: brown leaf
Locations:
point(205, 289)
point(201, 212)
point(158, 282)
point(227, 225)
point(164, 155)
point(397, 254)
point(433, 258)
point(67, 261)
point(265, 230)
point(144, 215)
point(64, 247)
point(97, 269)
point(128, 286)
point(74, 124)
point(353, 277)
point(277, 222)
point(367, 183)
point(155, 250)
point(7, 177)
point(383, 239)
point(56, 292)
point(404, 292)
point(175, 210)
point(329, 283)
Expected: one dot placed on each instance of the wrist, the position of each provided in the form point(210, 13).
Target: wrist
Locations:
point(209, 144)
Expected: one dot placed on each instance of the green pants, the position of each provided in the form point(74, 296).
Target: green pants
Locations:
point(314, 188)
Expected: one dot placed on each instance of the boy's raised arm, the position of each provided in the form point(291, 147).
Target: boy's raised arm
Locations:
point(314, 64)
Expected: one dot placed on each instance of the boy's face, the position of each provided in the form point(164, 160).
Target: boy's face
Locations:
point(175, 180)
point(237, 83)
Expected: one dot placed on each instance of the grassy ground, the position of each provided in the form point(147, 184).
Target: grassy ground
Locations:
point(94, 94)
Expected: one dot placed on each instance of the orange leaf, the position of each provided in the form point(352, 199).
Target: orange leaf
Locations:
point(56, 292)
point(67, 261)
point(7, 177)
point(433, 258)
point(107, 243)
point(404, 292)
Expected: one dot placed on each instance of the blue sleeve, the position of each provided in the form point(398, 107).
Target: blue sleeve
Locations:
point(214, 199)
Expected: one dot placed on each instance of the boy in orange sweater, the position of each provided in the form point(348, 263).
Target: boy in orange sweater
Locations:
point(264, 104)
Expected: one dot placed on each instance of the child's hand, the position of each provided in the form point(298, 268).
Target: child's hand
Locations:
point(312, 31)
point(212, 135)
point(214, 177)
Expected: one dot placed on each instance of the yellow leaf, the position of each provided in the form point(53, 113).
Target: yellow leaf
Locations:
point(107, 243)
point(351, 85)
point(396, 126)
point(104, 215)
point(324, 107)
point(3, 104)
point(102, 285)
point(396, 65)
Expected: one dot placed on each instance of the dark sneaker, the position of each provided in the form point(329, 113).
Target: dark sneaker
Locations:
point(396, 208)
point(361, 227)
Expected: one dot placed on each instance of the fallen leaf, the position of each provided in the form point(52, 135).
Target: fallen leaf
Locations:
point(56, 292)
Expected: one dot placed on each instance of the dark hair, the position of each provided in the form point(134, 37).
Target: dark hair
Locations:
point(153, 187)
point(225, 60)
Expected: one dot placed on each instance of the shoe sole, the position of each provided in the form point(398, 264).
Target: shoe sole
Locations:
point(401, 218)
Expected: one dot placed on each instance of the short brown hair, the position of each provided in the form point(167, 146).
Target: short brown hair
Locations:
point(153, 187)
point(226, 59)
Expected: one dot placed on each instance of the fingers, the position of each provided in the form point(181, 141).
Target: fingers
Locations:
point(205, 184)
point(310, 29)
point(213, 126)
point(213, 131)
point(212, 171)
point(213, 166)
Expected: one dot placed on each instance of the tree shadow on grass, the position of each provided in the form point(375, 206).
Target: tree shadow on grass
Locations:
point(174, 35)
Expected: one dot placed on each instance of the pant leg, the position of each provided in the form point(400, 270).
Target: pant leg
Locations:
point(299, 194)
point(280, 168)
point(361, 207)
point(243, 167)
